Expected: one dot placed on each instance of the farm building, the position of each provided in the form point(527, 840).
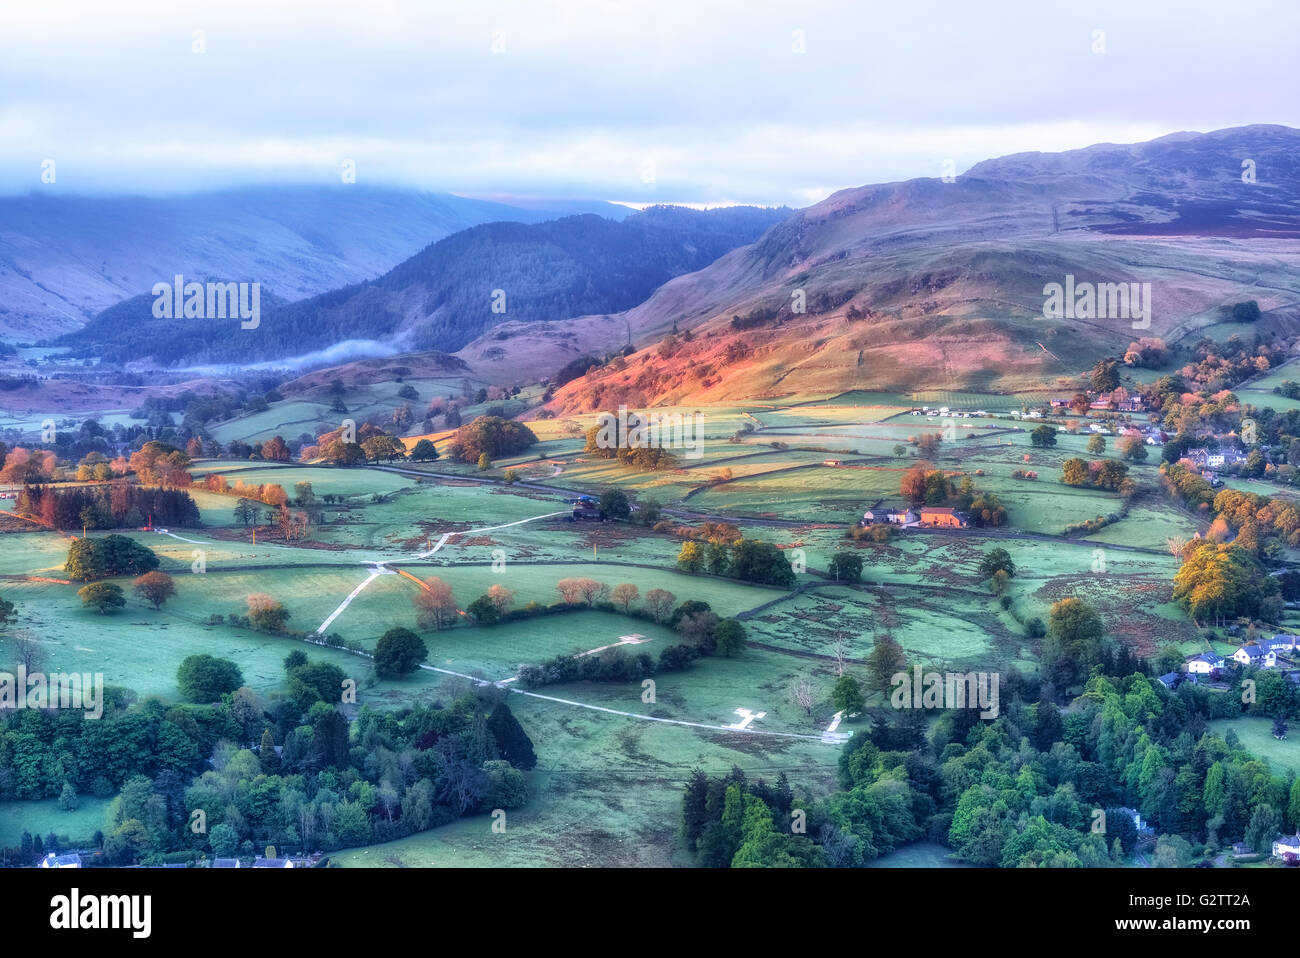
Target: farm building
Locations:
point(893, 513)
point(942, 516)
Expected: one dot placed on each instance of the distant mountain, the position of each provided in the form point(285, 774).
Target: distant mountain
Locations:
point(64, 259)
point(931, 285)
point(451, 292)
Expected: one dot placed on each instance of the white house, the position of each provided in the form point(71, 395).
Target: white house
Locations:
point(1287, 845)
point(272, 863)
point(1255, 655)
point(61, 861)
point(1205, 663)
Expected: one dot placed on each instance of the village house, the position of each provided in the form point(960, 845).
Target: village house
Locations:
point(943, 517)
point(1255, 655)
point(1204, 664)
point(225, 863)
point(72, 860)
point(1287, 845)
point(1157, 437)
point(272, 863)
point(1170, 680)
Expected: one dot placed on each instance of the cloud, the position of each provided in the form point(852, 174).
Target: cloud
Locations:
point(579, 96)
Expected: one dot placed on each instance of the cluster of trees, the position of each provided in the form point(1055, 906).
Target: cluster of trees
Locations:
point(1019, 791)
point(389, 774)
point(642, 456)
point(270, 493)
point(751, 560)
point(109, 557)
point(1219, 582)
point(1098, 474)
point(161, 464)
point(118, 505)
point(22, 465)
point(489, 436)
point(924, 485)
point(1258, 524)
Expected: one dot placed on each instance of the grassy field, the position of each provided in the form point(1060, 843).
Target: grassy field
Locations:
point(43, 817)
point(1256, 735)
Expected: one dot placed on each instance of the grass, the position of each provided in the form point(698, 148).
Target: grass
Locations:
point(1256, 736)
point(45, 816)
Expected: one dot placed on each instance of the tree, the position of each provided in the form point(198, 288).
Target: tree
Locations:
point(886, 660)
point(424, 451)
point(512, 741)
point(846, 695)
point(1044, 436)
point(68, 800)
point(103, 596)
point(1265, 823)
point(205, 678)
point(1074, 472)
point(113, 555)
point(729, 637)
point(846, 567)
point(690, 558)
point(501, 597)
point(1096, 444)
point(614, 505)
point(801, 691)
point(265, 614)
point(1133, 448)
point(484, 462)
point(435, 604)
point(8, 614)
point(399, 652)
point(994, 561)
point(1074, 642)
point(1105, 375)
point(624, 594)
point(482, 610)
point(659, 603)
point(154, 587)
point(491, 436)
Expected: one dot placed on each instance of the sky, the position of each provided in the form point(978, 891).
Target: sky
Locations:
point(705, 102)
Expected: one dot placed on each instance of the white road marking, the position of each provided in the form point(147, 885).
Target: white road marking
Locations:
point(378, 571)
point(746, 719)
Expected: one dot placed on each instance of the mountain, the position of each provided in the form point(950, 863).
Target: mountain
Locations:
point(447, 294)
point(63, 259)
point(940, 285)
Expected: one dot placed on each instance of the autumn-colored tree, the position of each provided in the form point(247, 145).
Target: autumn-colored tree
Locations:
point(660, 603)
point(592, 591)
point(501, 597)
point(624, 594)
point(435, 604)
point(912, 486)
point(570, 590)
point(155, 587)
point(275, 449)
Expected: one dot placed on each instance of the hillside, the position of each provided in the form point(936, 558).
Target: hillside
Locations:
point(926, 284)
point(65, 258)
point(443, 296)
